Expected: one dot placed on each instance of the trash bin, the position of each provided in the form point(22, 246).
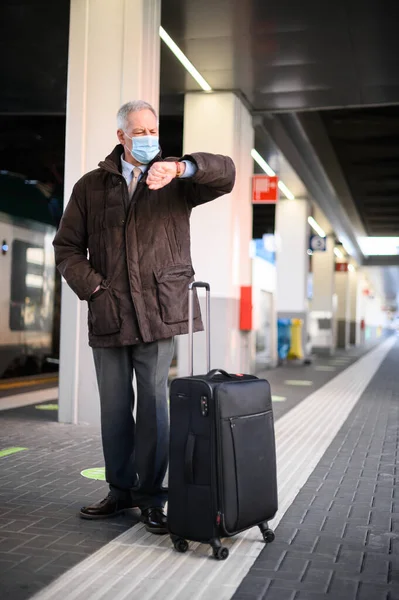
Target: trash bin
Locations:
point(283, 337)
point(296, 350)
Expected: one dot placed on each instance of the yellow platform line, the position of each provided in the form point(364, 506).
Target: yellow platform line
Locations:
point(21, 384)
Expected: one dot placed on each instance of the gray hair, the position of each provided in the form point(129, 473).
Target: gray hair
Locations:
point(133, 106)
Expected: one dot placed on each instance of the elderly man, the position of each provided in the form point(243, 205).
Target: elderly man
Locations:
point(132, 215)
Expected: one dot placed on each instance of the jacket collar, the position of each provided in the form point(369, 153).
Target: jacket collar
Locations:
point(112, 163)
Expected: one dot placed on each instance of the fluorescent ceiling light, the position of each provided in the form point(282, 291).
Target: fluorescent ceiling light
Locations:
point(269, 171)
point(262, 163)
point(338, 253)
point(286, 191)
point(379, 246)
point(314, 225)
point(184, 60)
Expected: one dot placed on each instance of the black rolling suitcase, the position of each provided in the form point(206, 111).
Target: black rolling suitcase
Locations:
point(222, 465)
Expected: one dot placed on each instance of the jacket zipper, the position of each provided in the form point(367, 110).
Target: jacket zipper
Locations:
point(125, 191)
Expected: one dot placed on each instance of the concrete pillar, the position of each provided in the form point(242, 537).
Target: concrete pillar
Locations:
point(324, 302)
point(354, 317)
point(361, 303)
point(114, 53)
point(342, 290)
point(292, 261)
point(264, 313)
point(375, 317)
point(221, 230)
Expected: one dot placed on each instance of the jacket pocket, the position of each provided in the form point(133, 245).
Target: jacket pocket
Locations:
point(103, 313)
point(172, 284)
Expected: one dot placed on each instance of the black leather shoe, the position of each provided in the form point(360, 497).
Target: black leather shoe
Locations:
point(155, 520)
point(107, 508)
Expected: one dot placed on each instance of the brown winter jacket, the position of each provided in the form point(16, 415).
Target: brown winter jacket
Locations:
point(139, 249)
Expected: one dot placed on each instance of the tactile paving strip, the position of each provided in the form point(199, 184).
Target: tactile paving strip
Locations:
point(143, 566)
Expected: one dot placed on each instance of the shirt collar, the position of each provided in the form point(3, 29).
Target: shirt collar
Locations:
point(127, 168)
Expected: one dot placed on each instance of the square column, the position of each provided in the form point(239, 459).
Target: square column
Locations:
point(361, 307)
point(354, 316)
point(221, 230)
point(114, 54)
point(324, 300)
point(342, 290)
point(292, 261)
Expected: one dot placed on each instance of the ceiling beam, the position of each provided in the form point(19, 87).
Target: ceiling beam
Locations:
point(37, 113)
point(289, 135)
point(302, 109)
point(381, 261)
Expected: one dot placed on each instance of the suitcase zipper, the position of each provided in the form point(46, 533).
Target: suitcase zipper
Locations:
point(216, 463)
point(232, 425)
point(219, 466)
point(259, 414)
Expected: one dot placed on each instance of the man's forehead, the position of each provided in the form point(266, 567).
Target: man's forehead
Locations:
point(142, 117)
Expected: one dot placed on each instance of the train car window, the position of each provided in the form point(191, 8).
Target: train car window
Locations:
point(26, 300)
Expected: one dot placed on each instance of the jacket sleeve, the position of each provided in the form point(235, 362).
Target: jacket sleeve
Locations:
point(70, 246)
point(215, 176)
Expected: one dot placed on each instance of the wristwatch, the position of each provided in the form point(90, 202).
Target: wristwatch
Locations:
point(179, 171)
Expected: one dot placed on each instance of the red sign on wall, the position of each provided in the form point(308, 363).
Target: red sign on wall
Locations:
point(341, 267)
point(246, 308)
point(264, 189)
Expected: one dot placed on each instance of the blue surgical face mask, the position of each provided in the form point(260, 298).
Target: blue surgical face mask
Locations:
point(144, 148)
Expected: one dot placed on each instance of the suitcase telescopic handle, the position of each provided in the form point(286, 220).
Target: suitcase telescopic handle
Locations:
point(191, 287)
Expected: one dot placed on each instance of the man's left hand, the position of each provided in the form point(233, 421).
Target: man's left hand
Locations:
point(162, 173)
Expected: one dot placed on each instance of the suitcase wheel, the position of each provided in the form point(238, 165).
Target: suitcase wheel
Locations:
point(221, 553)
point(268, 536)
point(180, 545)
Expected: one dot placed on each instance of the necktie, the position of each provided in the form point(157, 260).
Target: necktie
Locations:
point(133, 184)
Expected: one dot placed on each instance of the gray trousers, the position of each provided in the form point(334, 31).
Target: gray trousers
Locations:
point(135, 453)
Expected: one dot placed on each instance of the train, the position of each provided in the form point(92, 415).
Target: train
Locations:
point(29, 297)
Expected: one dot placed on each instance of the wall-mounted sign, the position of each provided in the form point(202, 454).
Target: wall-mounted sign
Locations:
point(341, 267)
point(264, 189)
point(318, 243)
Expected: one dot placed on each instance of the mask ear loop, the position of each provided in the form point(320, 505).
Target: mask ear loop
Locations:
point(130, 138)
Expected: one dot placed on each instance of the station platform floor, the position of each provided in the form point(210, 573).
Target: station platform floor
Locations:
point(337, 528)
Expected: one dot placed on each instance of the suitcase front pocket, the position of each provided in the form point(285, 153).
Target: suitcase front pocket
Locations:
point(252, 476)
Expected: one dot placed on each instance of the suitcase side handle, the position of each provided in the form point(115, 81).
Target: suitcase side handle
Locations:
point(188, 459)
point(191, 287)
